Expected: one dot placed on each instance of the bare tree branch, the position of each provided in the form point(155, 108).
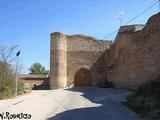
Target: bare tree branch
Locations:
point(6, 54)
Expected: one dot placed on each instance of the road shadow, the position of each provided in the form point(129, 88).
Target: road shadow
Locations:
point(110, 109)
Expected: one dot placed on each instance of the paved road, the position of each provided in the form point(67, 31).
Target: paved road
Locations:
point(72, 104)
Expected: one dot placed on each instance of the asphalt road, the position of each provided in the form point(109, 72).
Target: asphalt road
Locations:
point(72, 104)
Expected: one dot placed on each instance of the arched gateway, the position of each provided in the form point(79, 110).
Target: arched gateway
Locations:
point(83, 78)
point(70, 52)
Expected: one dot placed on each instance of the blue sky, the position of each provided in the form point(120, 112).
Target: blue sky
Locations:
point(29, 23)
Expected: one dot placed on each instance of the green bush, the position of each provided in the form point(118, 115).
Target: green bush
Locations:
point(6, 81)
point(146, 99)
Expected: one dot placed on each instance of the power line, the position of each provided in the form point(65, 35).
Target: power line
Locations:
point(111, 33)
point(142, 12)
point(134, 18)
point(159, 4)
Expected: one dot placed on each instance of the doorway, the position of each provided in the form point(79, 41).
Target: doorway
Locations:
point(83, 78)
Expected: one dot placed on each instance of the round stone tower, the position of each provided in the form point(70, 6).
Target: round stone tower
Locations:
point(58, 61)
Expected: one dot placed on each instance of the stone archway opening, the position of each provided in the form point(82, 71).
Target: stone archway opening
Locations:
point(83, 78)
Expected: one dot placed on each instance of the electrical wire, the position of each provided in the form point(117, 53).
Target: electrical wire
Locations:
point(134, 18)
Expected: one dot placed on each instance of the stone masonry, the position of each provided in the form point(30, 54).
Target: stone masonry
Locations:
point(73, 54)
point(133, 57)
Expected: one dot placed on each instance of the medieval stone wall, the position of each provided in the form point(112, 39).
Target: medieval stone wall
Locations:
point(135, 56)
point(84, 52)
point(132, 59)
point(70, 53)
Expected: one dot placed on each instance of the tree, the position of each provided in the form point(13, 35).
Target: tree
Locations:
point(37, 69)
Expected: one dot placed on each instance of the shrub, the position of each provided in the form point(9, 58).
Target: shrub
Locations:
point(146, 99)
point(20, 88)
point(6, 81)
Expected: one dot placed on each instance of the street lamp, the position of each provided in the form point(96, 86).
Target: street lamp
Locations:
point(17, 55)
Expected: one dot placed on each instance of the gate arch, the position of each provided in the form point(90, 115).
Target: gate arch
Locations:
point(83, 78)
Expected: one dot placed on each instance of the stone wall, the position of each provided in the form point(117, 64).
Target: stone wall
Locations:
point(132, 59)
point(135, 55)
point(70, 53)
point(84, 52)
point(34, 81)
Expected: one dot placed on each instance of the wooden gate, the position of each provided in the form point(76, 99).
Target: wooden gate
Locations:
point(83, 78)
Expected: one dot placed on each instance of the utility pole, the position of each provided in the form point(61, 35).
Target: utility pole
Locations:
point(17, 55)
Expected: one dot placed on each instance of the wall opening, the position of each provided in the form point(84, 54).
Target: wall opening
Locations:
point(83, 78)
